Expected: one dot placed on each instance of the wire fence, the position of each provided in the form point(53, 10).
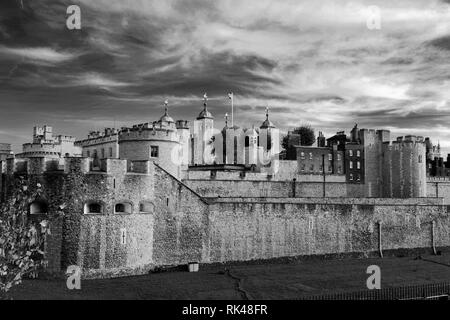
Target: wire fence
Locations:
point(439, 291)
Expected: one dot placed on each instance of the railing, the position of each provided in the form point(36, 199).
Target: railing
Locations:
point(440, 291)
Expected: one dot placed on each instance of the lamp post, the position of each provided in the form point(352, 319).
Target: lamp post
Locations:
point(323, 173)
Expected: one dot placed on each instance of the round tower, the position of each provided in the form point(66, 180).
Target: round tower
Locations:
point(158, 141)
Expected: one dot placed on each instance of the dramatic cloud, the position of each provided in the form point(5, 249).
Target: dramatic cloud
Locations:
point(310, 61)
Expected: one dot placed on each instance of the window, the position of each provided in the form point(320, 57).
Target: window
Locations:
point(88, 154)
point(93, 207)
point(154, 151)
point(358, 153)
point(38, 207)
point(124, 207)
point(351, 164)
point(358, 177)
point(330, 157)
point(358, 165)
point(339, 157)
point(146, 207)
point(350, 176)
point(103, 153)
point(303, 167)
point(302, 155)
point(350, 153)
point(95, 153)
point(310, 156)
point(330, 168)
point(110, 152)
point(339, 169)
point(420, 159)
point(320, 168)
point(311, 168)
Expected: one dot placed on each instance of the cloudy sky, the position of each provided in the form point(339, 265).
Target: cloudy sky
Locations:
point(312, 62)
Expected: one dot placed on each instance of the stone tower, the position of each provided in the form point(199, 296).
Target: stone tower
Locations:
point(158, 141)
point(233, 144)
point(202, 134)
point(404, 168)
point(251, 147)
point(269, 140)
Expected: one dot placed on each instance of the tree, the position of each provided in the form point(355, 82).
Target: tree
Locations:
point(307, 137)
point(21, 237)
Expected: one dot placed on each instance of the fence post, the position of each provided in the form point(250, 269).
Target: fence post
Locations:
point(380, 247)
point(432, 237)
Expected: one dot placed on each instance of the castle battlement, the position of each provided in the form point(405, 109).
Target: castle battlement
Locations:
point(403, 144)
point(115, 167)
point(34, 165)
point(85, 165)
point(96, 140)
point(148, 133)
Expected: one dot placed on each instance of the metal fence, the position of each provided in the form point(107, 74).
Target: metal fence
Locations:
point(440, 291)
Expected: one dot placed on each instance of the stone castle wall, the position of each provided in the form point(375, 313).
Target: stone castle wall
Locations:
point(181, 226)
point(439, 188)
point(261, 230)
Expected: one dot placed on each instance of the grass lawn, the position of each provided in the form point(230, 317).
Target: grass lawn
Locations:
point(261, 281)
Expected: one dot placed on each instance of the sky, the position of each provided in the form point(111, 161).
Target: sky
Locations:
point(311, 62)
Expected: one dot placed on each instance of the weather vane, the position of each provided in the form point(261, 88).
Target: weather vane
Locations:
point(166, 103)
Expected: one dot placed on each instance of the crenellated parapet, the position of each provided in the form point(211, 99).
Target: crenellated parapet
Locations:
point(84, 165)
point(148, 133)
point(115, 167)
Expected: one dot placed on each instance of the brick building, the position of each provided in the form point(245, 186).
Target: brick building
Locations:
point(311, 160)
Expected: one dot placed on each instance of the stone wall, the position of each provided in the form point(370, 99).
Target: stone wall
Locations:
point(439, 188)
point(115, 244)
point(258, 220)
point(181, 222)
point(252, 230)
point(255, 188)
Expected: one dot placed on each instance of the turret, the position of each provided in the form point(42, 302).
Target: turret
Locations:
point(269, 139)
point(202, 135)
point(251, 146)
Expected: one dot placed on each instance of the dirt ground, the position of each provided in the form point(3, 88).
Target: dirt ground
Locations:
point(261, 281)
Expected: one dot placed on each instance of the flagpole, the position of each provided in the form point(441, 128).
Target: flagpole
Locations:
point(232, 110)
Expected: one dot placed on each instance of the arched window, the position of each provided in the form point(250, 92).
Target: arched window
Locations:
point(93, 207)
point(146, 207)
point(269, 142)
point(39, 207)
point(247, 141)
point(123, 207)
